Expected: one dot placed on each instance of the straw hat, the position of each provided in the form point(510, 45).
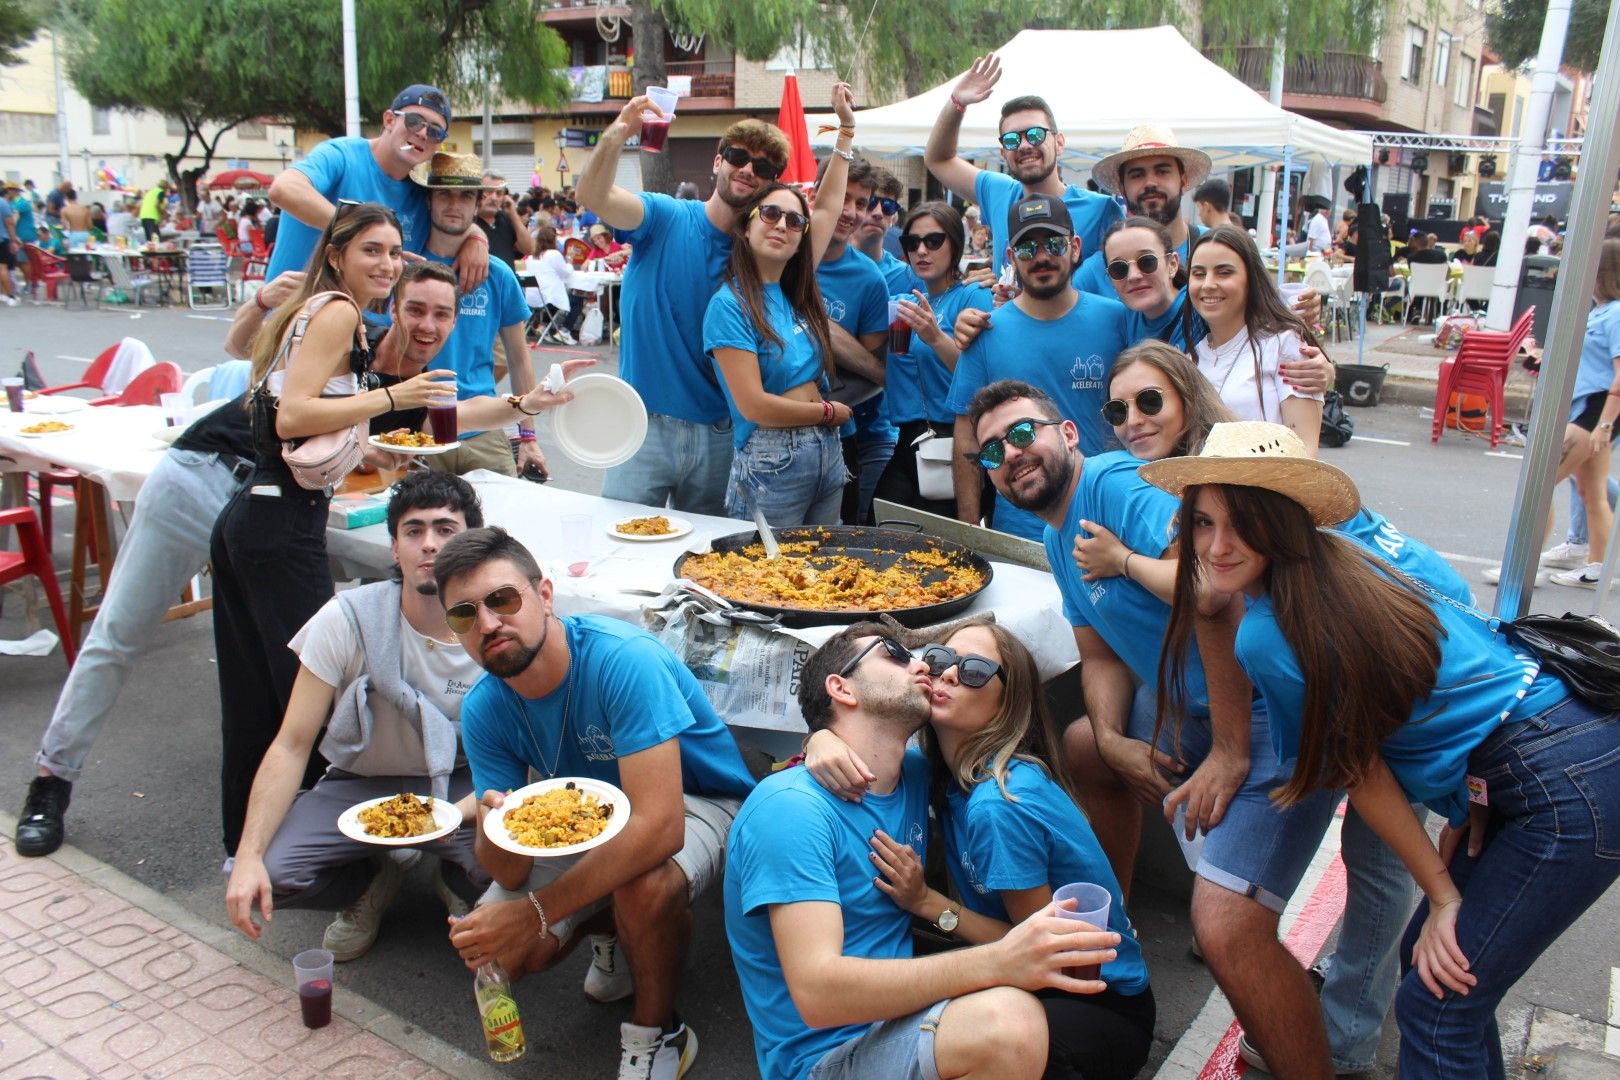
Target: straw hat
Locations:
point(1151, 140)
point(445, 170)
point(1251, 453)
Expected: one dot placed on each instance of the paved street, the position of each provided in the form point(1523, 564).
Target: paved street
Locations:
point(148, 803)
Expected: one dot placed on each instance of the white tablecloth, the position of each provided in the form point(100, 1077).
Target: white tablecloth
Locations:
point(113, 445)
point(623, 573)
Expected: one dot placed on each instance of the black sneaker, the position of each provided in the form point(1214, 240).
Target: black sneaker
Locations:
point(39, 830)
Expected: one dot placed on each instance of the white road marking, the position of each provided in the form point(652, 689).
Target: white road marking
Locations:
point(1611, 1041)
point(1386, 442)
point(1504, 454)
point(211, 318)
point(76, 359)
point(1452, 557)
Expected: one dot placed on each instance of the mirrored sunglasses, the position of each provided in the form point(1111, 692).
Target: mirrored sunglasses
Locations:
point(1034, 136)
point(1146, 262)
point(1021, 435)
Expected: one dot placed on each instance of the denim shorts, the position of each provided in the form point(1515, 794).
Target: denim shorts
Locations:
point(795, 475)
point(900, 1049)
point(1259, 849)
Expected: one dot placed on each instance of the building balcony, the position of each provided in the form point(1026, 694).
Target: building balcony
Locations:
point(604, 90)
point(1346, 87)
point(571, 12)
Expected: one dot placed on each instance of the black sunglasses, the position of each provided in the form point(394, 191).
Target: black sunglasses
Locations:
point(764, 168)
point(346, 206)
point(506, 600)
point(933, 241)
point(1053, 245)
point(897, 652)
point(1148, 403)
point(1021, 435)
point(972, 670)
point(1034, 136)
point(416, 122)
point(770, 214)
point(890, 206)
point(1146, 262)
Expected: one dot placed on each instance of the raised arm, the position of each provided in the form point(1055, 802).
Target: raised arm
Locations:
point(251, 314)
point(596, 191)
point(293, 192)
point(940, 155)
point(830, 192)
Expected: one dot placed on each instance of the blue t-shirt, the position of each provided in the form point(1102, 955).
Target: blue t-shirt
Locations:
point(1128, 617)
point(1170, 327)
point(485, 312)
point(27, 232)
point(1068, 357)
point(911, 399)
point(1091, 212)
point(1482, 682)
point(1598, 350)
point(679, 260)
point(857, 299)
point(1374, 532)
point(794, 842)
point(897, 274)
point(1092, 276)
point(345, 168)
point(727, 325)
point(995, 845)
point(624, 693)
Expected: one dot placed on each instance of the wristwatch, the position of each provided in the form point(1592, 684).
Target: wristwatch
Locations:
point(1606, 425)
point(950, 917)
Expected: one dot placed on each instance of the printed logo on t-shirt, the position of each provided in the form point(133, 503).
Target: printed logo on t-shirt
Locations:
point(972, 875)
point(596, 745)
point(1389, 541)
point(1088, 372)
point(456, 686)
point(836, 310)
point(474, 303)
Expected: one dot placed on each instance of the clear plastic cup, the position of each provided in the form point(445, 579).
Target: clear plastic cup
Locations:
point(312, 969)
point(1091, 907)
point(655, 129)
point(665, 98)
point(575, 530)
point(174, 408)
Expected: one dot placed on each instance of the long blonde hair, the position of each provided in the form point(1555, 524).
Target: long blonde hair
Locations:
point(350, 221)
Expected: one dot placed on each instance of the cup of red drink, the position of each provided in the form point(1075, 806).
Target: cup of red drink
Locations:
point(899, 330)
point(442, 423)
point(655, 129)
point(14, 393)
point(313, 970)
point(1091, 907)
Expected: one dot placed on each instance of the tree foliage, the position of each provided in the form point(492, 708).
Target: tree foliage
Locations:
point(19, 22)
point(1514, 31)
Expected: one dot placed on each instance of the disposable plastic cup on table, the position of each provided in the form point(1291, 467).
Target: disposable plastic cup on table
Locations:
point(14, 393)
point(576, 535)
point(174, 408)
point(1091, 907)
point(655, 129)
point(313, 970)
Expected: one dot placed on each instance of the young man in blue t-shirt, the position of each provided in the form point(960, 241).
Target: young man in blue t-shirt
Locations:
point(370, 170)
point(824, 957)
point(594, 697)
point(681, 250)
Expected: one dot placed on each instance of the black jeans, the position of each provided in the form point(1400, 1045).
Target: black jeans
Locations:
point(270, 577)
point(899, 481)
point(1103, 1036)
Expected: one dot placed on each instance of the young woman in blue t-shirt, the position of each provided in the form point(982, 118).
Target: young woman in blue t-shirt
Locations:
point(1013, 834)
point(1399, 695)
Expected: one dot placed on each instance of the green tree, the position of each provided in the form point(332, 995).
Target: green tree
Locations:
point(213, 66)
point(1514, 31)
point(19, 22)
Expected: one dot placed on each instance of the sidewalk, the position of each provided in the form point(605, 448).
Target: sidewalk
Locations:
point(102, 977)
point(1414, 366)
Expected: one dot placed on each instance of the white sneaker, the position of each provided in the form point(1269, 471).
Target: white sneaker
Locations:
point(9, 301)
point(454, 904)
point(1586, 577)
point(565, 337)
point(1566, 556)
point(608, 977)
point(1493, 575)
point(354, 931)
point(645, 1053)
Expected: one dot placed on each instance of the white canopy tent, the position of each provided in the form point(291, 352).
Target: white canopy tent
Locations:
point(1102, 83)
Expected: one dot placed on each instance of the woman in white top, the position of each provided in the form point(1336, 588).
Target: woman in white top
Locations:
point(1252, 333)
point(554, 278)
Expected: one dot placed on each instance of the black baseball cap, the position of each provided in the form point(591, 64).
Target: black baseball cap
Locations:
point(429, 97)
point(1038, 212)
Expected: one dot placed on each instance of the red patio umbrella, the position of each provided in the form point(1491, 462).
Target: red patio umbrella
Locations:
point(240, 180)
point(801, 164)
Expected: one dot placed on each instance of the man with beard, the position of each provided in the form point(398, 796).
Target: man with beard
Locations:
point(1030, 144)
point(495, 310)
point(681, 249)
point(1051, 335)
point(595, 697)
point(824, 958)
point(353, 169)
point(384, 677)
point(1150, 172)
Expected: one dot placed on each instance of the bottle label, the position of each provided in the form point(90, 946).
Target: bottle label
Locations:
point(501, 1021)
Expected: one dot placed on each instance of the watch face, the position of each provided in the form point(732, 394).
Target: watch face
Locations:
point(947, 921)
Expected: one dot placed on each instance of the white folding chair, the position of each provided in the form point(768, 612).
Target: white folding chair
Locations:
point(1428, 282)
point(1476, 286)
point(207, 272)
point(126, 282)
point(1334, 304)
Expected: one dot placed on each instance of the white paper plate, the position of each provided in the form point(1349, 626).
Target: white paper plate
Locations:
point(445, 816)
point(495, 820)
point(47, 405)
point(604, 425)
point(416, 451)
point(678, 527)
point(39, 434)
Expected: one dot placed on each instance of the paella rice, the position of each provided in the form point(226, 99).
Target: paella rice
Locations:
point(560, 817)
point(403, 815)
point(803, 578)
point(406, 437)
point(645, 526)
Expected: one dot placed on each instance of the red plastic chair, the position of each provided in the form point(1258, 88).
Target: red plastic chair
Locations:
point(228, 243)
point(45, 269)
point(1481, 367)
point(35, 561)
point(95, 375)
point(163, 377)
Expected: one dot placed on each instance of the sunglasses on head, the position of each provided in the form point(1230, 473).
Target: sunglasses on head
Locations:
point(933, 241)
point(1021, 435)
point(1034, 136)
point(1052, 245)
point(346, 206)
point(1148, 403)
point(890, 206)
point(415, 122)
point(506, 600)
point(897, 652)
point(1146, 262)
point(972, 671)
point(764, 168)
point(770, 214)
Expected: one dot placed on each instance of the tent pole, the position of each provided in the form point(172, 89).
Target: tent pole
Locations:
point(1282, 210)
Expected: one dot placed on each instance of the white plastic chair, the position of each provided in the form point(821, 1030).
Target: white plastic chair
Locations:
point(127, 283)
point(1428, 282)
point(208, 272)
point(1475, 287)
point(1335, 305)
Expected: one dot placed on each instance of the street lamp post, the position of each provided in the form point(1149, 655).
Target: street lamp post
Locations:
point(562, 160)
point(281, 148)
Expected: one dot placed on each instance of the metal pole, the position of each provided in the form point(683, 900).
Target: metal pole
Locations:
point(351, 73)
point(1583, 240)
point(1282, 209)
point(489, 119)
point(1268, 189)
point(63, 165)
point(1526, 160)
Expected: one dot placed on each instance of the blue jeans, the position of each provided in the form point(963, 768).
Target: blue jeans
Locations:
point(682, 464)
point(1577, 515)
point(794, 475)
point(1552, 849)
point(166, 544)
point(874, 458)
point(900, 1049)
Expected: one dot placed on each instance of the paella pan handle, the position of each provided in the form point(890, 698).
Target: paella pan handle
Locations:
point(898, 523)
